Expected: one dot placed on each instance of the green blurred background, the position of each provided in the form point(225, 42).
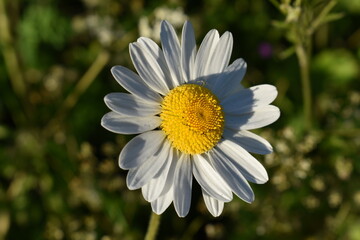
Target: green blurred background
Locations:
point(59, 177)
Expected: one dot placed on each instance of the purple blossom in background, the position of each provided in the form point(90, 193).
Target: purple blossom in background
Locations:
point(265, 50)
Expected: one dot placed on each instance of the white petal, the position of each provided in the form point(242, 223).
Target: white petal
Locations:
point(138, 177)
point(117, 123)
point(206, 49)
point(244, 100)
point(249, 141)
point(148, 69)
point(183, 185)
point(188, 52)
point(249, 166)
point(163, 202)
point(171, 47)
point(140, 149)
point(220, 58)
point(257, 117)
point(210, 180)
point(228, 81)
point(153, 49)
point(214, 206)
point(152, 190)
point(170, 177)
point(127, 104)
point(231, 175)
point(134, 84)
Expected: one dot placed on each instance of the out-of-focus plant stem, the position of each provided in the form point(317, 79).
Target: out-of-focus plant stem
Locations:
point(324, 17)
point(304, 63)
point(85, 81)
point(194, 227)
point(13, 68)
point(303, 47)
point(301, 22)
point(275, 3)
point(153, 226)
point(79, 89)
point(9, 53)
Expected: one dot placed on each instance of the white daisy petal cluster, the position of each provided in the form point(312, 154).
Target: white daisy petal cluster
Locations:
point(192, 116)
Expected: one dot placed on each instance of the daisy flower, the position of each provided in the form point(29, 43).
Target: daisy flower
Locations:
point(192, 116)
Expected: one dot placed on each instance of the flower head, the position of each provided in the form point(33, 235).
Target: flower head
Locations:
point(192, 116)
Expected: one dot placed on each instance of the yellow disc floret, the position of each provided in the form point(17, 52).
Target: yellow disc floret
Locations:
point(192, 118)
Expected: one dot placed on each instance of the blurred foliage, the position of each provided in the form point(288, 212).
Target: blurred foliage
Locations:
point(336, 67)
point(41, 29)
point(59, 177)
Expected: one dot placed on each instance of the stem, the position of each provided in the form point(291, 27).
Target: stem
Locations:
point(14, 102)
point(85, 81)
point(10, 56)
point(153, 226)
point(194, 227)
point(79, 89)
point(320, 18)
point(303, 59)
point(275, 3)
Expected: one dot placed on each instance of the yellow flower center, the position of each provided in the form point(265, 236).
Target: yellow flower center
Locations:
point(192, 118)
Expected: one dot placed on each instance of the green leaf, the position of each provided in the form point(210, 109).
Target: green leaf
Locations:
point(353, 6)
point(337, 67)
point(41, 31)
